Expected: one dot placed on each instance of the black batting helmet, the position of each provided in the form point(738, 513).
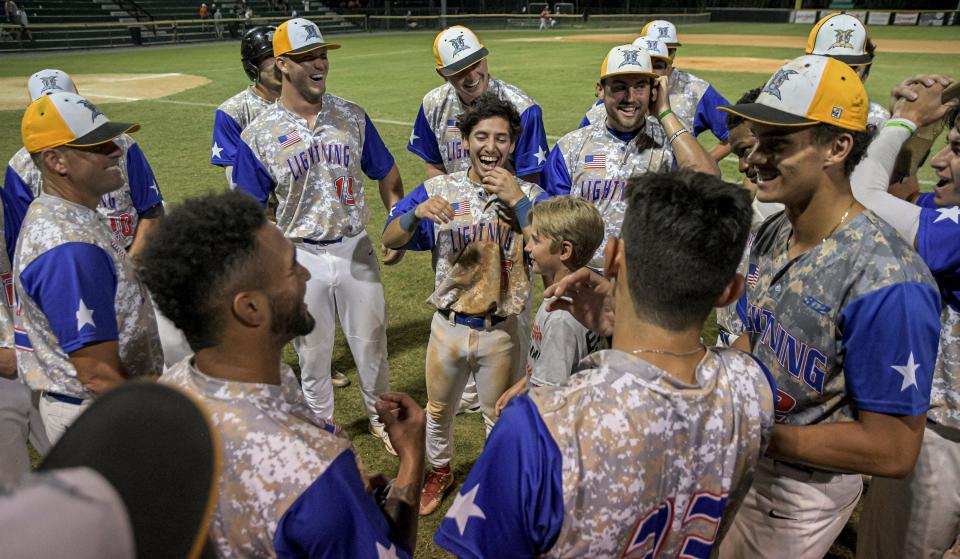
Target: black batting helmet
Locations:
point(257, 44)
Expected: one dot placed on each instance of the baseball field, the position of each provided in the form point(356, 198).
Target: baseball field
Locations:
point(173, 91)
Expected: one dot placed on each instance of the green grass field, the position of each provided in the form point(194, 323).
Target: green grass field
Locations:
point(388, 75)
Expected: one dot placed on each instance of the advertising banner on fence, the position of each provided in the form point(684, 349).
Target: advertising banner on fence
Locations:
point(808, 17)
point(878, 18)
point(906, 18)
point(931, 18)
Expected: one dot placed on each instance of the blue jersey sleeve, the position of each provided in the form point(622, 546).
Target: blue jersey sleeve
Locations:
point(423, 142)
point(926, 200)
point(512, 502)
point(938, 240)
point(75, 285)
point(586, 115)
point(530, 153)
point(143, 185)
point(890, 339)
point(555, 179)
point(423, 238)
point(251, 176)
point(709, 116)
point(226, 138)
point(375, 160)
point(16, 196)
point(335, 518)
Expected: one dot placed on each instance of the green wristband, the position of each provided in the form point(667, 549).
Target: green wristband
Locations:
point(900, 124)
point(664, 114)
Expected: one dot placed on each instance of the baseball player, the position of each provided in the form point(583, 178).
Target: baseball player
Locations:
point(919, 516)
point(640, 134)
point(695, 102)
point(237, 112)
point(312, 149)
point(290, 485)
point(436, 138)
point(844, 37)
point(650, 448)
point(475, 222)
point(838, 306)
point(84, 322)
point(132, 210)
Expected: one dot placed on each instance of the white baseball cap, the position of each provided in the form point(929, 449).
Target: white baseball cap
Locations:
point(841, 36)
point(627, 59)
point(299, 36)
point(663, 30)
point(456, 49)
point(656, 47)
point(809, 90)
point(49, 81)
point(67, 119)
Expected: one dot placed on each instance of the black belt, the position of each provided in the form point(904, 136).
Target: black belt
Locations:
point(64, 398)
point(323, 243)
point(475, 321)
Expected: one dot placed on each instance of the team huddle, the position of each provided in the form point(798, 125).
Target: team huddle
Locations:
point(613, 428)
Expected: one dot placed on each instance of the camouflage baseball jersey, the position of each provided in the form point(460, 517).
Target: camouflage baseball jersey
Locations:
point(436, 139)
point(938, 243)
point(479, 256)
point(76, 286)
point(693, 100)
point(851, 324)
point(624, 461)
point(231, 118)
point(122, 207)
point(557, 344)
point(7, 298)
point(729, 325)
point(595, 163)
point(280, 461)
point(877, 116)
point(316, 174)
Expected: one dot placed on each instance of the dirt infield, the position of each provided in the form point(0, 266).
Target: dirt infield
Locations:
point(886, 45)
point(106, 88)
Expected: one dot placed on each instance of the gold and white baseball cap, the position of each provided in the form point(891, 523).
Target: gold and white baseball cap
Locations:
point(809, 90)
point(627, 59)
point(656, 47)
point(67, 119)
point(841, 36)
point(299, 36)
point(663, 30)
point(49, 81)
point(456, 49)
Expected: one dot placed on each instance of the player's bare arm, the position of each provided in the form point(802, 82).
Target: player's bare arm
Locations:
point(144, 227)
point(98, 366)
point(688, 151)
point(588, 297)
point(436, 209)
point(721, 150)
point(431, 170)
point(876, 444)
point(405, 422)
point(8, 363)
point(502, 184)
point(391, 192)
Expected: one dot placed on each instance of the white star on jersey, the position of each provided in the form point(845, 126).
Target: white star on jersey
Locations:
point(541, 156)
point(156, 189)
point(386, 552)
point(216, 150)
point(413, 136)
point(909, 372)
point(952, 213)
point(463, 509)
point(84, 316)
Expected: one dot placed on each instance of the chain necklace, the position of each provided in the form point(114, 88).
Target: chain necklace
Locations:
point(700, 347)
point(835, 227)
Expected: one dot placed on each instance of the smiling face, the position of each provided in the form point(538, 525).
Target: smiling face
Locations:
point(490, 146)
point(627, 100)
point(472, 82)
point(947, 166)
point(741, 143)
point(539, 248)
point(306, 73)
point(787, 163)
point(95, 169)
point(289, 316)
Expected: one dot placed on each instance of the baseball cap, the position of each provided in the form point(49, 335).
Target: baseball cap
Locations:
point(49, 81)
point(663, 30)
point(656, 47)
point(67, 119)
point(841, 36)
point(809, 90)
point(456, 49)
point(299, 36)
point(157, 449)
point(627, 59)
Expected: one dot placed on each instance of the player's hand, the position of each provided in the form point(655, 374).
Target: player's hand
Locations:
point(925, 108)
point(588, 297)
point(510, 394)
point(391, 256)
point(436, 209)
point(662, 101)
point(906, 90)
point(502, 184)
point(405, 422)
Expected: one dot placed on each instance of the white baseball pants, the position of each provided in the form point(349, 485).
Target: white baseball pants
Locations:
point(19, 421)
point(344, 283)
point(57, 415)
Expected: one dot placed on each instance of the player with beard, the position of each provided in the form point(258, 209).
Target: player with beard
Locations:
point(475, 222)
point(284, 467)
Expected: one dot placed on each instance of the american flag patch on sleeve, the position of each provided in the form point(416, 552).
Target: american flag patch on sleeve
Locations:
point(289, 139)
point(595, 162)
point(452, 126)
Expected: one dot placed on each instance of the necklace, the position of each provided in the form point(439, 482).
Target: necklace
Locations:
point(835, 227)
point(700, 347)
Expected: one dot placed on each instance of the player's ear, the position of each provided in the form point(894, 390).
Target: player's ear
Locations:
point(250, 308)
point(599, 92)
point(55, 159)
point(731, 293)
point(442, 77)
point(612, 257)
point(838, 150)
point(566, 251)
